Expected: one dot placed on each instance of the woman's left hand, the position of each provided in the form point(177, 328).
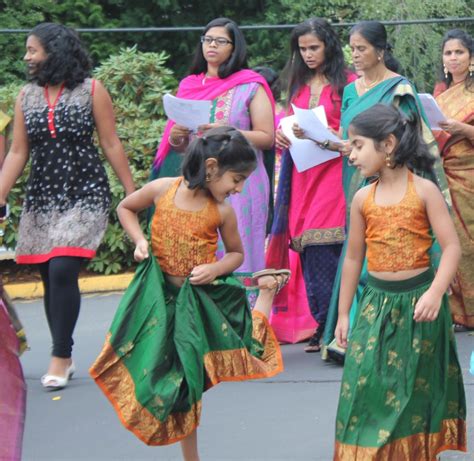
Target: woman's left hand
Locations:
point(452, 126)
point(427, 307)
point(207, 126)
point(298, 132)
point(203, 274)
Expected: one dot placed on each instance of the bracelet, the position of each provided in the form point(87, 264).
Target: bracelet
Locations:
point(325, 144)
point(180, 143)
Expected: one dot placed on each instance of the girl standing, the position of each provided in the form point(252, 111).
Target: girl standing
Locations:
point(402, 395)
point(184, 324)
point(308, 230)
point(67, 201)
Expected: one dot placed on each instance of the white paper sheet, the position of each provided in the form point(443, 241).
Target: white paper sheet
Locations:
point(187, 112)
point(305, 153)
point(432, 110)
point(314, 124)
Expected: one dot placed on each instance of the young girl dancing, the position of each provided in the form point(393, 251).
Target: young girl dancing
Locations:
point(402, 395)
point(184, 325)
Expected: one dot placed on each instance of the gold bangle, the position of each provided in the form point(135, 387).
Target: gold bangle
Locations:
point(180, 143)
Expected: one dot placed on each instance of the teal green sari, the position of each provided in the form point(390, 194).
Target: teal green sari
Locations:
point(401, 93)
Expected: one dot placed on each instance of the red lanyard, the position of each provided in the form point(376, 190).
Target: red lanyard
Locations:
point(51, 108)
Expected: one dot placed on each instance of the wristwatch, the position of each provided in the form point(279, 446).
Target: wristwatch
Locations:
point(325, 144)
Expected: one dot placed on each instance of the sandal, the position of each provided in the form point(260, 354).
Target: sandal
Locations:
point(314, 344)
point(460, 328)
point(281, 277)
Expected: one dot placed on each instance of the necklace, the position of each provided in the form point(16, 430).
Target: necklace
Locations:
point(368, 86)
point(51, 108)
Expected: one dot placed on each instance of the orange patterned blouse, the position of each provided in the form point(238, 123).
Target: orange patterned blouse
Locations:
point(182, 239)
point(398, 236)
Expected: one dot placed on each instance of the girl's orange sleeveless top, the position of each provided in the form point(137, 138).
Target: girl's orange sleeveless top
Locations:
point(398, 237)
point(182, 239)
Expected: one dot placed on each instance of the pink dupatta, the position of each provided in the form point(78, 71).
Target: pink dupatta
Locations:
point(199, 87)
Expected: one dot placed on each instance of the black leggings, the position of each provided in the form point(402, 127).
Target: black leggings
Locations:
point(62, 300)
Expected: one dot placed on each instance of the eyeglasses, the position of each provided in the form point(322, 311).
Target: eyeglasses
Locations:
point(220, 41)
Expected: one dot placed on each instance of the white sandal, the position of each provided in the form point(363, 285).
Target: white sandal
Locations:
point(53, 382)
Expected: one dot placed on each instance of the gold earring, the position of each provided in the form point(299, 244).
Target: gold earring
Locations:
point(445, 70)
point(388, 160)
point(208, 177)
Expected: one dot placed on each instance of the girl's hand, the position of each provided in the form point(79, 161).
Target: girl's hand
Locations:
point(281, 141)
point(141, 251)
point(427, 307)
point(203, 274)
point(452, 126)
point(207, 126)
point(342, 330)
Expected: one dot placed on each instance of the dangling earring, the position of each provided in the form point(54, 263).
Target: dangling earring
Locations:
point(445, 70)
point(471, 69)
point(388, 160)
point(208, 177)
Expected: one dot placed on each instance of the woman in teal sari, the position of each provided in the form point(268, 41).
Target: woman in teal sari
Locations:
point(380, 83)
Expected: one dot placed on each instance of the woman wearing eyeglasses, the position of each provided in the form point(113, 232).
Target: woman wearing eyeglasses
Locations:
point(242, 99)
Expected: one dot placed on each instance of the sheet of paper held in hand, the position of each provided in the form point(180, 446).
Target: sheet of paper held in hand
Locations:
point(432, 110)
point(187, 112)
point(306, 153)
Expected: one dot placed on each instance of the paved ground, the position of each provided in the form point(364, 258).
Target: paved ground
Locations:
point(290, 417)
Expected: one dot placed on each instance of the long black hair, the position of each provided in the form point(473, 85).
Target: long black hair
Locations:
point(382, 120)
point(67, 61)
point(227, 145)
point(376, 34)
point(466, 42)
point(238, 58)
point(297, 73)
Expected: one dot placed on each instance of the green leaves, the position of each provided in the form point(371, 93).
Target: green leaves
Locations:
point(136, 82)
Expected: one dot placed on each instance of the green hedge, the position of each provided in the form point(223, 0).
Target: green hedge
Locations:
point(136, 82)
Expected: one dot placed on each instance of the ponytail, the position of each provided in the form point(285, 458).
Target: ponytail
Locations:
point(412, 149)
point(227, 145)
point(390, 62)
point(382, 120)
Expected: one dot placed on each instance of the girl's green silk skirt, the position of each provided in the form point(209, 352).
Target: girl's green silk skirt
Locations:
point(402, 394)
point(167, 345)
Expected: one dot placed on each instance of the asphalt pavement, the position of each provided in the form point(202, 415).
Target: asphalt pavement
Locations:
point(289, 417)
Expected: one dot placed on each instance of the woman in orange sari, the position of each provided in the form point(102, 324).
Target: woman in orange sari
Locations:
point(455, 96)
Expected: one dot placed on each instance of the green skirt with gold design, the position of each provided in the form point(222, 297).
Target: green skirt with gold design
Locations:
point(167, 345)
point(402, 394)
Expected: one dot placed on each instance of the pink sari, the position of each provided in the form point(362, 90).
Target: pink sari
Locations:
point(198, 87)
point(310, 210)
point(12, 390)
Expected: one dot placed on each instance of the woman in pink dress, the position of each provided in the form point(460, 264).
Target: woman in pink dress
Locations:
point(308, 228)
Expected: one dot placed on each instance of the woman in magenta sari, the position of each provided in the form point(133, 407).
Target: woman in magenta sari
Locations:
point(12, 388)
point(242, 99)
point(308, 229)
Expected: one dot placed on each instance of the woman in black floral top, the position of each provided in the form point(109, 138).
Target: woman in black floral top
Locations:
point(67, 198)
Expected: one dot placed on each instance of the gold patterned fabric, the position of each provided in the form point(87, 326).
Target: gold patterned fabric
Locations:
point(398, 237)
point(167, 345)
point(402, 394)
point(4, 121)
point(458, 160)
point(178, 253)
